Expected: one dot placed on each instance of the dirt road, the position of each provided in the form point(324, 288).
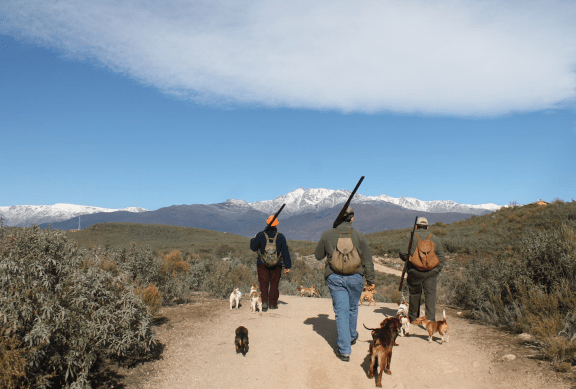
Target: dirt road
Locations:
point(294, 347)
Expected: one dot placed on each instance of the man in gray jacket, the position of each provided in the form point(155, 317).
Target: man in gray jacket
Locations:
point(346, 289)
point(418, 280)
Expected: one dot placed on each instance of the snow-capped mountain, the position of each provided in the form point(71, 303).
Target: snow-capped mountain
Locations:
point(298, 202)
point(26, 215)
point(313, 200)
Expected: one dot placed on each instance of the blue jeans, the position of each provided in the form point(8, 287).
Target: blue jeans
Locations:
point(345, 292)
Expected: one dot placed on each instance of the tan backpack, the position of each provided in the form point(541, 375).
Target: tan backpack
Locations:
point(424, 257)
point(345, 258)
point(270, 257)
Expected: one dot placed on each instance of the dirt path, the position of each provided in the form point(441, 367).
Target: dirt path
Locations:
point(385, 269)
point(293, 347)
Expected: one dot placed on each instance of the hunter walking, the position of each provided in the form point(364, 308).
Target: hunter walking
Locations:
point(425, 262)
point(348, 259)
point(273, 254)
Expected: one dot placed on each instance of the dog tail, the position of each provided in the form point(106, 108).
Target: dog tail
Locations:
point(371, 329)
point(444, 314)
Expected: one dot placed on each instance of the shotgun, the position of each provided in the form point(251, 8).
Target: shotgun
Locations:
point(345, 207)
point(408, 259)
point(275, 216)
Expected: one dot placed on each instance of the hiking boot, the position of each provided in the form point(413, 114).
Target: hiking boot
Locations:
point(273, 306)
point(264, 307)
point(355, 339)
point(345, 358)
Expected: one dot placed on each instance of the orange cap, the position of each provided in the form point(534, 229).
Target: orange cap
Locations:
point(270, 219)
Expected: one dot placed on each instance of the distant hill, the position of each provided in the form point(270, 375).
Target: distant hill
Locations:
point(245, 221)
point(494, 233)
point(498, 233)
point(162, 238)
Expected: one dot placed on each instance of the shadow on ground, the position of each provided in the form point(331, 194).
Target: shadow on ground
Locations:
point(324, 327)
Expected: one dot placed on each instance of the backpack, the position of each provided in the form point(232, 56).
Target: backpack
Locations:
point(345, 258)
point(424, 257)
point(270, 257)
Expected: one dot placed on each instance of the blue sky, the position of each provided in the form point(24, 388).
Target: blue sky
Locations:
point(135, 103)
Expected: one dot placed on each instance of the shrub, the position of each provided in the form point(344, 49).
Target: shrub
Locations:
point(63, 315)
point(12, 363)
point(530, 289)
point(151, 296)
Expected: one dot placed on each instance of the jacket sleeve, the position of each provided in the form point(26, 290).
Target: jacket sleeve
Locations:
point(256, 241)
point(283, 246)
point(320, 251)
point(439, 250)
point(367, 261)
point(403, 249)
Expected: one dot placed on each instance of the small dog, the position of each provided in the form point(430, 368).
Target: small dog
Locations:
point(241, 340)
point(255, 299)
point(383, 340)
point(402, 314)
point(309, 291)
point(440, 326)
point(368, 295)
point(235, 297)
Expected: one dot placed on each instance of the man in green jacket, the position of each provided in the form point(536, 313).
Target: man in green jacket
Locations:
point(346, 289)
point(419, 281)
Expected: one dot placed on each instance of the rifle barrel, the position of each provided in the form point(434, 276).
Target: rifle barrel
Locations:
point(345, 207)
point(407, 259)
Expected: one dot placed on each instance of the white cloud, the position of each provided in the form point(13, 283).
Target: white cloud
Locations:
point(448, 58)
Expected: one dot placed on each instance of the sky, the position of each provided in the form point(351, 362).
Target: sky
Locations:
point(150, 104)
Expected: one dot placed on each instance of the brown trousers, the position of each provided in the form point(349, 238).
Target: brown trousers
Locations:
point(269, 278)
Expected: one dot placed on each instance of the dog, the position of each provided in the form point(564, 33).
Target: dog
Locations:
point(383, 340)
point(309, 291)
point(255, 299)
point(368, 295)
point(440, 326)
point(235, 297)
point(402, 314)
point(241, 340)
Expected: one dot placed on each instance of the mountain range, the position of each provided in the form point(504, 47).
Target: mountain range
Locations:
point(307, 213)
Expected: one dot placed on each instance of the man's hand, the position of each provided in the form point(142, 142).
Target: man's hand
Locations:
point(286, 271)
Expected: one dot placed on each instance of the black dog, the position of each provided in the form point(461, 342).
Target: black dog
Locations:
point(241, 340)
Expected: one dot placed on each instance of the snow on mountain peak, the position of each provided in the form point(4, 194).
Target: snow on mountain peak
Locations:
point(315, 199)
point(26, 215)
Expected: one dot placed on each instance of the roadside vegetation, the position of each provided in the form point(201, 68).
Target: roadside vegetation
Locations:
point(73, 302)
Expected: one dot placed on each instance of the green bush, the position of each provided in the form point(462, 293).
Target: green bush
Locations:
point(66, 316)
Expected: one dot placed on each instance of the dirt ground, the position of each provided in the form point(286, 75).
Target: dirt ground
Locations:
point(294, 347)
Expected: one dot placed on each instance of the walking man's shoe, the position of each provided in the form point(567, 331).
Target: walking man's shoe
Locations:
point(264, 307)
point(345, 358)
point(355, 339)
point(273, 306)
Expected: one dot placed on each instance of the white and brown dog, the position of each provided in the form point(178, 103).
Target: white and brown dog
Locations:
point(255, 299)
point(402, 314)
point(235, 297)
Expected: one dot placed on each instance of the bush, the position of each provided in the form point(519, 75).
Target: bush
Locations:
point(12, 363)
point(528, 289)
point(66, 316)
